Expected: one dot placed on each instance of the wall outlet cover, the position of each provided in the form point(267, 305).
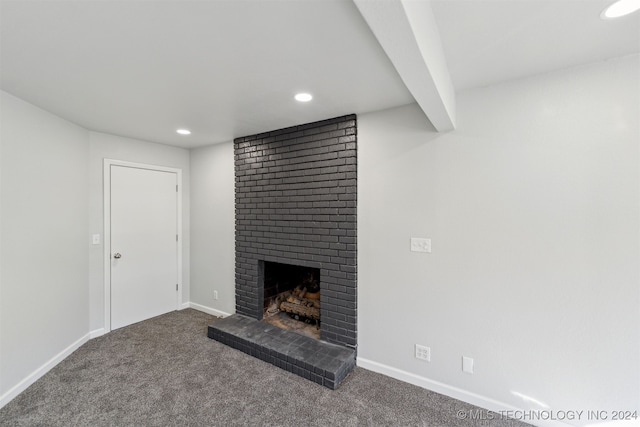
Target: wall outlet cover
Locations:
point(419, 244)
point(423, 352)
point(467, 364)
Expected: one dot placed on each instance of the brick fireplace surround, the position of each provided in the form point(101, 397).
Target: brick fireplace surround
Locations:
point(296, 199)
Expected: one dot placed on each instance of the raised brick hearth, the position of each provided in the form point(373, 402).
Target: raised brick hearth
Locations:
point(296, 198)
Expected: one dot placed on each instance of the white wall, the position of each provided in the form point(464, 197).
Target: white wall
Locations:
point(114, 147)
point(44, 264)
point(532, 205)
point(212, 228)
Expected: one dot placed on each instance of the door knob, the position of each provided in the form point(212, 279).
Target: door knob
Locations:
point(117, 256)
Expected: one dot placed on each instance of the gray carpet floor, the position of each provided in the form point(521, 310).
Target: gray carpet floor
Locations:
point(165, 372)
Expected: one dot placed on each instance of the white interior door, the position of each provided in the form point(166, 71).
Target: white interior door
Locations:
point(144, 247)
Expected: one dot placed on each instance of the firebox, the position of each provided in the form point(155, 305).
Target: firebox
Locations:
point(291, 297)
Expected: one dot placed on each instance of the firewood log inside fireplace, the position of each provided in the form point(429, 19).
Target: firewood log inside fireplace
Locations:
point(299, 303)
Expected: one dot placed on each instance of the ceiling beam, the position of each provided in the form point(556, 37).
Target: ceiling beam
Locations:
point(408, 33)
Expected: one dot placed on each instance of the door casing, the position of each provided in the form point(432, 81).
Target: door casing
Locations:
point(107, 230)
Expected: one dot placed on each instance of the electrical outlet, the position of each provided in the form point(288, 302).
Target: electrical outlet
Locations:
point(419, 244)
point(423, 352)
point(215, 294)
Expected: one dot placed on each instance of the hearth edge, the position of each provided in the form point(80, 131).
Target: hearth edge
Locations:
point(319, 361)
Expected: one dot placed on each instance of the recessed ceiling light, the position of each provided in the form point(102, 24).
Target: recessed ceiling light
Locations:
point(303, 97)
point(184, 131)
point(620, 8)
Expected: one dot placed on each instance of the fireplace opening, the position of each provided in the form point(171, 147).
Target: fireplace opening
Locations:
point(292, 297)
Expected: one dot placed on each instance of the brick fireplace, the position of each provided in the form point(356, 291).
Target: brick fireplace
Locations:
point(296, 203)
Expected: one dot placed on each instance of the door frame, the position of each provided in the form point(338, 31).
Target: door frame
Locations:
point(107, 229)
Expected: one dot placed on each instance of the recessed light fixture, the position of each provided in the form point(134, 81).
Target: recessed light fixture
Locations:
point(184, 131)
point(620, 8)
point(303, 97)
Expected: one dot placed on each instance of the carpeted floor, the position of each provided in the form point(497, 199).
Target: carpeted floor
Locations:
point(165, 371)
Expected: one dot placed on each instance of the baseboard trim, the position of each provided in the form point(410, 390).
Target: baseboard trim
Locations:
point(448, 390)
point(208, 310)
point(96, 333)
point(50, 364)
point(38, 373)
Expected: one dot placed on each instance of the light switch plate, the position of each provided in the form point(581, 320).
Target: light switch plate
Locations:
point(96, 239)
point(419, 244)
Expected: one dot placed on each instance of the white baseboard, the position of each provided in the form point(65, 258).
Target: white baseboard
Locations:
point(208, 310)
point(96, 333)
point(448, 390)
point(38, 373)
